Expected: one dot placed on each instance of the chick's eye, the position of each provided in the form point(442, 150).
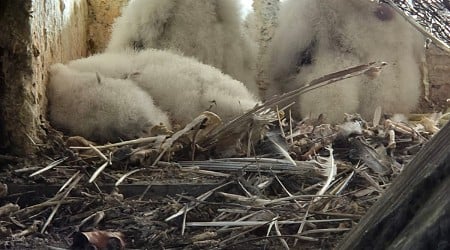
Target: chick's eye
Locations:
point(138, 45)
point(305, 57)
point(384, 12)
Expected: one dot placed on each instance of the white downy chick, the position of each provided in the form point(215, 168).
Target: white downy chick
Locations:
point(316, 37)
point(398, 87)
point(209, 30)
point(184, 87)
point(100, 108)
point(112, 65)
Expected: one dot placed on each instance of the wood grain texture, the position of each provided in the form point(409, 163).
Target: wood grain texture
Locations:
point(414, 211)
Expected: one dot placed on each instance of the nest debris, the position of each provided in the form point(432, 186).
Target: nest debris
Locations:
point(303, 185)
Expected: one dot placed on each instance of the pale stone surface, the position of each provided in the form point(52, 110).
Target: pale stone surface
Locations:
point(265, 12)
point(438, 66)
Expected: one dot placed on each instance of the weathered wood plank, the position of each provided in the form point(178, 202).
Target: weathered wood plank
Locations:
point(35, 34)
point(429, 229)
point(414, 211)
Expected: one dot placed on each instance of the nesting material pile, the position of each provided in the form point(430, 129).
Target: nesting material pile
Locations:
point(207, 186)
point(305, 184)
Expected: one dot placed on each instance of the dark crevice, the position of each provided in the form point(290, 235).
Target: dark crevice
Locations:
point(2, 97)
point(306, 56)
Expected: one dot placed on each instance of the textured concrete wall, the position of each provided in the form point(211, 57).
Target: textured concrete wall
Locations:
point(266, 12)
point(102, 14)
point(438, 64)
point(35, 34)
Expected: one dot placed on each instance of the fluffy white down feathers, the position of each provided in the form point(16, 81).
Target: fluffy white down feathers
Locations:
point(184, 87)
point(316, 37)
point(140, 87)
point(122, 103)
point(135, 75)
point(209, 30)
point(100, 108)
